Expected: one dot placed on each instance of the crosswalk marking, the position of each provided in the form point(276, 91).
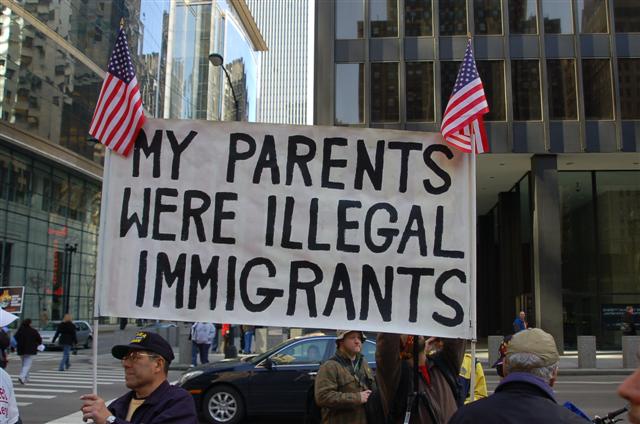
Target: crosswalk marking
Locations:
point(24, 403)
point(21, 396)
point(27, 389)
point(56, 381)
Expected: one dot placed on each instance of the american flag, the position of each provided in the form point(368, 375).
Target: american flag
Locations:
point(462, 122)
point(119, 114)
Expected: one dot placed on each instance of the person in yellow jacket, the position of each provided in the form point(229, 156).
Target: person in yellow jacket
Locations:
point(480, 387)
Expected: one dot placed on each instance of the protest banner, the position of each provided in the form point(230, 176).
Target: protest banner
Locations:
point(319, 227)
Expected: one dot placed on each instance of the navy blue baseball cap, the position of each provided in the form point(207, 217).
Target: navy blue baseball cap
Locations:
point(148, 341)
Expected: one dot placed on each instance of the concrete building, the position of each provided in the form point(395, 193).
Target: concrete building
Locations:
point(558, 197)
point(286, 83)
point(53, 57)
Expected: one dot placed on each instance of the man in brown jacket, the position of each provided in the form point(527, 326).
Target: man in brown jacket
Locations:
point(344, 382)
point(437, 377)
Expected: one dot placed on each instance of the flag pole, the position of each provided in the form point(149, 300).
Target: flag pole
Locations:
point(472, 204)
point(100, 266)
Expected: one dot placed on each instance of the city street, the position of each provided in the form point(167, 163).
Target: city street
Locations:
point(53, 396)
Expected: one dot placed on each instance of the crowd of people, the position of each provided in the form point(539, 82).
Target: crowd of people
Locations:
point(418, 380)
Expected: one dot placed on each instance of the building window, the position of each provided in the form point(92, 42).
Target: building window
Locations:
point(561, 75)
point(627, 15)
point(558, 18)
point(487, 17)
point(349, 19)
point(418, 18)
point(592, 16)
point(523, 17)
point(448, 75)
point(384, 92)
point(525, 85)
point(384, 18)
point(596, 81)
point(492, 76)
point(420, 94)
point(629, 78)
point(349, 94)
point(453, 17)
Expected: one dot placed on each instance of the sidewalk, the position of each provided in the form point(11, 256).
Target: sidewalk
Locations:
point(607, 363)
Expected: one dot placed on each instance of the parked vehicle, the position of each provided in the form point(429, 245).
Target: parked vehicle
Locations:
point(84, 334)
point(277, 382)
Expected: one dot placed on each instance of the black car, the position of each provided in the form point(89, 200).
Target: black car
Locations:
point(277, 382)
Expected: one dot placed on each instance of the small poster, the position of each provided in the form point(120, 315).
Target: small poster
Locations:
point(11, 299)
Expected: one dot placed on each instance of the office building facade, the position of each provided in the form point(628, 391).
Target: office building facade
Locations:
point(286, 83)
point(558, 197)
point(53, 56)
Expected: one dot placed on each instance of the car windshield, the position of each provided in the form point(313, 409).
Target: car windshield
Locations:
point(262, 356)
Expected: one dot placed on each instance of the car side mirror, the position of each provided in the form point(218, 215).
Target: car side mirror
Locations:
point(268, 364)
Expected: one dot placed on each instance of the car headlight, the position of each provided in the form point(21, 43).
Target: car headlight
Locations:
point(188, 376)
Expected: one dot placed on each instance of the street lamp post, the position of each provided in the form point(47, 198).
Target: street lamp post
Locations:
point(218, 61)
point(69, 250)
point(230, 350)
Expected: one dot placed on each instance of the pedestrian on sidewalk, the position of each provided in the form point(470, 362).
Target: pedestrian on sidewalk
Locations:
point(249, 330)
point(44, 318)
point(520, 323)
point(151, 399)
point(27, 339)
point(6, 318)
point(344, 382)
point(526, 393)
point(201, 335)
point(629, 322)
point(67, 332)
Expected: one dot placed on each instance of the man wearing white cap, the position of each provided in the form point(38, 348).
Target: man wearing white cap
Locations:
point(525, 395)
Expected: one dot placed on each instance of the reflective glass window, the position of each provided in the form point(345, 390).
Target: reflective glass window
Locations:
point(557, 15)
point(420, 95)
point(523, 16)
point(592, 16)
point(596, 79)
point(487, 17)
point(418, 18)
point(349, 94)
point(525, 86)
point(349, 19)
point(448, 75)
point(627, 15)
point(384, 92)
point(629, 82)
point(492, 76)
point(453, 17)
point(384, 18)
point(561, 75)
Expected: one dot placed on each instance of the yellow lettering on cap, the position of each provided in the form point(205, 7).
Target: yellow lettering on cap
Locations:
point(139, 337)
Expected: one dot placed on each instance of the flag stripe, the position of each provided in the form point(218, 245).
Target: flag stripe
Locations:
point(107, 93)
point(123, 123)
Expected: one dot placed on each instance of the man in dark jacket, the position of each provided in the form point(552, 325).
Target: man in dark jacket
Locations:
point(67, 332)
point(152, 400)
point(437, 381)
point(525, 395)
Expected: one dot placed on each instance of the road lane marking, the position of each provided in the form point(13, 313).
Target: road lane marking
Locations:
point(20, 395)
point(26, 389)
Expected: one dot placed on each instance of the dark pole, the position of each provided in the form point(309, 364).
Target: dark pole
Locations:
point(69, 250)
point(230, 351)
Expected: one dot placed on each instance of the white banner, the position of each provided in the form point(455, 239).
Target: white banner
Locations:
point(296, 226)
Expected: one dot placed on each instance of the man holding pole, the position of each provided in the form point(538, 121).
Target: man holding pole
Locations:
point(152, 400)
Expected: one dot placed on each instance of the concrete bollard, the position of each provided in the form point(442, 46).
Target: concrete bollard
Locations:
point(261, 340)
point(493, 346)
point(184, 344)
point(630, 349)
point(587, 352)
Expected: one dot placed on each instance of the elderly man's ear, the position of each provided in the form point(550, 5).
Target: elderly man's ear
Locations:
point(554, 377)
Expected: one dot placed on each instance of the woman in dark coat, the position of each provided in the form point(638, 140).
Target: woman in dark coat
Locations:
point(28, 339)
point(67, 332)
